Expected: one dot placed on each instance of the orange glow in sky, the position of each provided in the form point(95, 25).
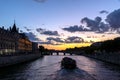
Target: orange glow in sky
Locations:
point(64, 46)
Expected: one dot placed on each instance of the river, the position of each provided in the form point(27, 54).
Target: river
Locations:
point(48, 68)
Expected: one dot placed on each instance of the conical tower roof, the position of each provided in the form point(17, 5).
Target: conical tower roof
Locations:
point(14, 28)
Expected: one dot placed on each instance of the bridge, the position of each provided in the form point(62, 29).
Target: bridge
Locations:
point(58, 53)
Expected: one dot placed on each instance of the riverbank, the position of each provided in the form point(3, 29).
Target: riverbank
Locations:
point(113, 58)
point(16, 59)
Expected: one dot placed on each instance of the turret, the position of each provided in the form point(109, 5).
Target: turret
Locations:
point(14, 28)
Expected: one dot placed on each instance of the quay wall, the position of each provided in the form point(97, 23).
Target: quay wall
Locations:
point(15, 59)
point(113, 58)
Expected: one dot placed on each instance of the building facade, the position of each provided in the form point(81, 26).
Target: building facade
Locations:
point(24, 44)
point(11, 41)
point(7, 41)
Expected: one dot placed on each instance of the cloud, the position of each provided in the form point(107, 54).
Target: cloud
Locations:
point(95, 25)
point(75, 28)
point(55, 39)
point(50, 33)
point(91, 25)
point(74, 39)
point(40, 1)
point(47, 32)
point(104, 11)
point(48, 43)
point(40, 30)
point(98, 19)
point(52, 41)
point(114, 19)
point(59, 41)
point(32, 36)
point(27, 29)
point(43, 42)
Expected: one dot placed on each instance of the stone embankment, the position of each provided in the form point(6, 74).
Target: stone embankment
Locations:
point(15, 59)
point(107, 57)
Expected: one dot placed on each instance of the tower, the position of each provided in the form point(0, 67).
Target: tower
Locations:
point(14, 28)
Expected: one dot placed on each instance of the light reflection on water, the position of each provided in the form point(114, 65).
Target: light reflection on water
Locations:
point(48, 67)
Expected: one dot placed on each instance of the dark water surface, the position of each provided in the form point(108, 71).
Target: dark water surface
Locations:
point(48, 68)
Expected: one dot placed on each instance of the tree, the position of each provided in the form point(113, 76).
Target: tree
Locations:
point(41, 49)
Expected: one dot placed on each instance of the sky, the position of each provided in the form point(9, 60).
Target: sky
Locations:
point(61, 24)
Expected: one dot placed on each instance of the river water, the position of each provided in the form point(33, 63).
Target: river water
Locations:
point(48, 68)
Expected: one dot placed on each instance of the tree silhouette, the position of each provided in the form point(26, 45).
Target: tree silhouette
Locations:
point(107, 46)
point(41, 49)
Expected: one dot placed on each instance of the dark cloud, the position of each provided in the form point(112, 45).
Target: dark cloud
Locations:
point(59, 41)
point(47, 32)
point(74, 39)
point(40, 30)
point(114, 19)
point(43, 42)
point(75, 28)
point(52, 41)
point(50, 33)
point(103, 27)
point(98, 19)
point(27, 29)
point(21, 31)
point(104, 11)
point(40, 1)
point(55, 39)
point(95, 25)
point(49, 43)
point(32, 36)
point(90, 23)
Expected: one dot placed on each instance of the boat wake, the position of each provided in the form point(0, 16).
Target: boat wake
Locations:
point(76, 74)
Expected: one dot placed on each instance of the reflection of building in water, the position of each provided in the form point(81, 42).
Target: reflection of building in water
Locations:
point(11, 41)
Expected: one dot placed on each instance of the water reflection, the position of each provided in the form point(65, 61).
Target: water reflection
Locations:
point(76, 74)
point(48, 67)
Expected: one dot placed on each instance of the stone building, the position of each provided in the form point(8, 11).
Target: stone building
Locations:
point(11, 41)
point(24, 44)
point(7, 41)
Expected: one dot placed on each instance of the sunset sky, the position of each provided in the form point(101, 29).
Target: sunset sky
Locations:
point(61, 24)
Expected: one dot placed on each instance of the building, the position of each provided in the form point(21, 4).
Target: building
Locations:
point(24, 44)
point(7, 41)
point(11, 42)
point(34, 47)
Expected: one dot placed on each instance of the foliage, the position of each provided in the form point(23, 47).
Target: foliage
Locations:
point(107, 46)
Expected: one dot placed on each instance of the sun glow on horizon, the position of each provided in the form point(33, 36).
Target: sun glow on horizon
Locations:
point(67, 45)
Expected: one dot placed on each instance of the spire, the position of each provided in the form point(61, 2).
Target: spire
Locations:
point(14, 21)
point(14, 28)
point(14, 25)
